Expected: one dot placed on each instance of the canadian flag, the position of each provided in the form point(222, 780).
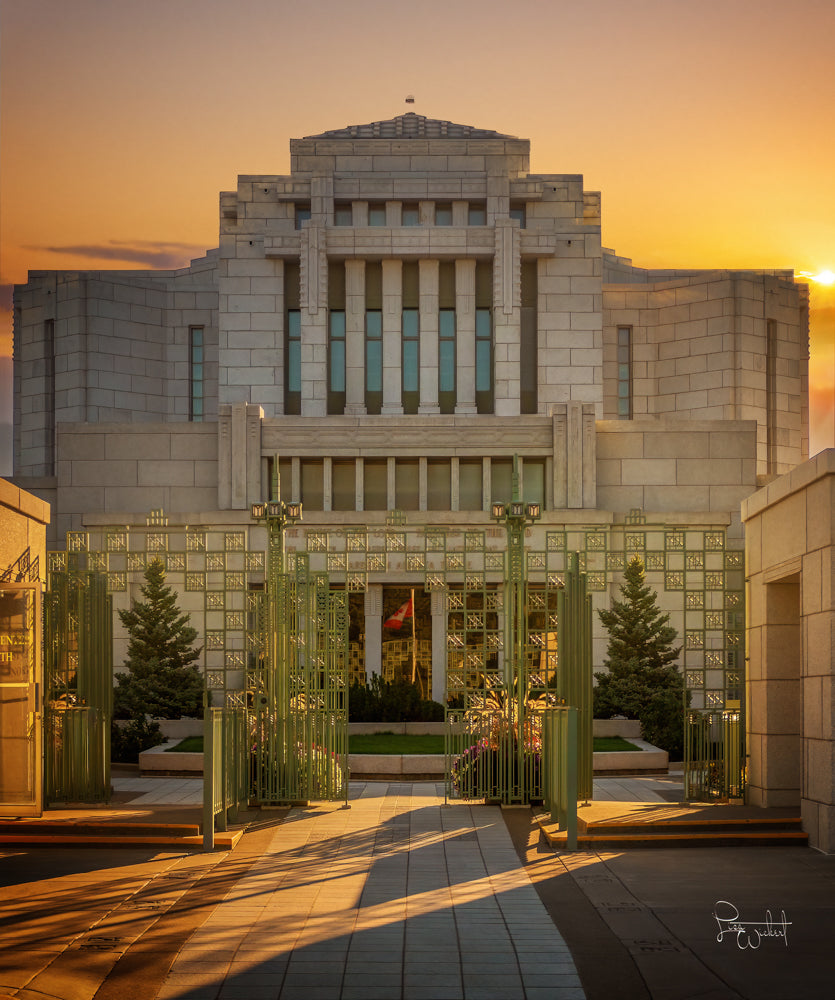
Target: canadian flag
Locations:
point(403, 612)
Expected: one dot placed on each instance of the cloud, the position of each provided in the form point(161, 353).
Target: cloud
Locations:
point(163, 256)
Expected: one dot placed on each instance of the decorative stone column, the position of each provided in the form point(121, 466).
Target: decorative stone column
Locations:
point(373, 630)
point(428, 283)
point(439, 656)
point(354, 337)
point(392, 329)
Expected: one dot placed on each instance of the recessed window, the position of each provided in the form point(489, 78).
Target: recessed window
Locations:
point(302, 214)
point(410, 215)
point(484, 360)
point(528, 361)
point(438, 484)
point(470, 484)
point(343, 485)
point(336, 361)
point(375, 483)
point(313, 484)
point(624, 350)
point(533, 477)
point(373, 360)
point(446, 360)
point(292, 340)
point(195, 348)
point(407, 484)
point(376, 214)
point(410, 366)
point(343, 215)
point(476, 214)
point(443, 214)
point(501, 480)
point(518, 212)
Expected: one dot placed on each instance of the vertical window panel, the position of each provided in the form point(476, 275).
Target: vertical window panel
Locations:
point(624, 385)
point(439, 484)
point(343, 485)
point(407, 484)
point(313, 483)
point(375, 485)
point(196, 395)
point(470, 484)
point(501, 480)
point(292, 340)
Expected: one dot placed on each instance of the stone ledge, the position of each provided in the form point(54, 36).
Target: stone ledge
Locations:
point(158, 761)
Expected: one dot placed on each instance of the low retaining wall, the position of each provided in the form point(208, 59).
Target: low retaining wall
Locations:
point(157, 761)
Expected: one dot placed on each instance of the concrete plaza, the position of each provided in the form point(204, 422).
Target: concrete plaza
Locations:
point(403, 897)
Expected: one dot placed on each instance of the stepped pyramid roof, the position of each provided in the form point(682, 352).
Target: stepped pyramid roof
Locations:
point(410, 126)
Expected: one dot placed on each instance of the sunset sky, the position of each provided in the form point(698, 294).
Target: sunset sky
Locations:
point(707, 126)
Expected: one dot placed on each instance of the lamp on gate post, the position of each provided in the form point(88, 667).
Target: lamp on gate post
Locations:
point(516, 516)
point(277, 515)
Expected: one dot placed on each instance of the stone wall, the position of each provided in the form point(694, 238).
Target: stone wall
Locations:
point(790, 554)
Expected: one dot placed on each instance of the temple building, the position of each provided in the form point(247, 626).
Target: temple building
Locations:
point(395, 323)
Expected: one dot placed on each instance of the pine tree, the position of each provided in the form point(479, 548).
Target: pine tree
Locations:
point(160, 678)
point(642, 681)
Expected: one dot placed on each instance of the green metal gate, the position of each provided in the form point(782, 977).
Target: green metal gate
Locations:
point(78, 648)
point(714, 756)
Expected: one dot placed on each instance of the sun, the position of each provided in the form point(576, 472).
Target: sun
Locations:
point(822, 278)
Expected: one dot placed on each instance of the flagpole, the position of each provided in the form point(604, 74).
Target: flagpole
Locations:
point(414, 641)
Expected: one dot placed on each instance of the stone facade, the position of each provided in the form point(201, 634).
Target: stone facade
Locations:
point(394, 320)
point(790, 554)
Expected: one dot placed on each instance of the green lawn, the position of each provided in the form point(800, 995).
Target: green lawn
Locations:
point(191, 744)
point(612, 744)
point(390, 743)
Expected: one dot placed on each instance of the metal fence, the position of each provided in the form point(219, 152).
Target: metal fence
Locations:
point(714, 755)
point(559, 769)
point(226, 768)
point(78, 634)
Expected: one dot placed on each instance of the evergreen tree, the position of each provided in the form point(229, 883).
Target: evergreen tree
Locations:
point(642, 681)
point(160, 678)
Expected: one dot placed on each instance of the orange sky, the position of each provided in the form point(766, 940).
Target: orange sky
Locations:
point(706, 126)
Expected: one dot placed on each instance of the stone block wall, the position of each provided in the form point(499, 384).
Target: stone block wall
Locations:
point(659, 465)
point(107, 346)
point(790, 557)
point(714, 345)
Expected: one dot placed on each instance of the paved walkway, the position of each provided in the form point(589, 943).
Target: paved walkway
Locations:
point(397, 897)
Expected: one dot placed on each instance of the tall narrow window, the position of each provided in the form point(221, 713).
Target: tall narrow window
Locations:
point(625, 372)
point(438, 484)
point(375, 484)
point(771, 395)
point(313, 483)
point(446, 337)
point(195, 373)
point(446, 360)
point(484, 337)
point(343, 484)
point(470, 484)
point(373, 360)
point(301, 214)
point(336, 336)
point(411, 361)
point(410, 339)
point(528, 362)
point(336, 365)
point(518, 212)
point(373, 337)
point(292, 340)
point(49, 395)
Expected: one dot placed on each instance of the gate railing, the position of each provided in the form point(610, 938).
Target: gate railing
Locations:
point(226, 769)
point(714, 755)
point(560, 770)
point(78, 664)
